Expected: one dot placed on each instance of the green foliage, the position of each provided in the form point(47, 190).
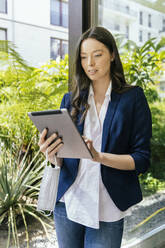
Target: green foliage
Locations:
point(24, 89)
point(10, 57)
point(143, 65)
point(151, 184)
point(19, 187)
point(158, 127)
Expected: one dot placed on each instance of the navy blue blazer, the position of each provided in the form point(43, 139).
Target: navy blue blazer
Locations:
point(127, 129)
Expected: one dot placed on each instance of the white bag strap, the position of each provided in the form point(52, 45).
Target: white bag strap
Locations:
point(55, 160)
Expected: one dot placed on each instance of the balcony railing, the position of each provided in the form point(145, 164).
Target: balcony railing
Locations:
point(125, 9)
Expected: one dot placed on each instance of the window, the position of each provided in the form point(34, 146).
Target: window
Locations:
point(127, 9)
point(64, 48)
point(140, 35)
point(59, 13)
point(163, 28)
point(58, 48)
point(3, 37)
point(149, 36)
point(3, 34)
point(162, 87)
point(116, 27)
point(3, 6)
point(127, 31)
point(141, 18)
point(149, 20)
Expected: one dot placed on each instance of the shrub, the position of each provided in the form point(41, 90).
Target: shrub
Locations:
point(24, 89)
point(143, 66)
point(19, 187)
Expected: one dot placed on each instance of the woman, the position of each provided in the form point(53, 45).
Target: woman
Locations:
point(114, 118)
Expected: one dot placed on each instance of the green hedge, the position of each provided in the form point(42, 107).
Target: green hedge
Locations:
point(24, 89)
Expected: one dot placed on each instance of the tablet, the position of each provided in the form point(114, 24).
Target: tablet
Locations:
point(60, 121)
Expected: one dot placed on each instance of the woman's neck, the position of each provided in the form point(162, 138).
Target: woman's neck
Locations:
point(100, 88)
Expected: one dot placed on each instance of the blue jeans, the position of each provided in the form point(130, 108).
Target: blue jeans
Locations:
point(73, 235)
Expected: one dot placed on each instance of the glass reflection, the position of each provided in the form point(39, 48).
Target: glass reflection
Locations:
point(135, 21)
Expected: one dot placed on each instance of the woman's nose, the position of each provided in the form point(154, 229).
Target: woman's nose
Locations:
point(90, 61)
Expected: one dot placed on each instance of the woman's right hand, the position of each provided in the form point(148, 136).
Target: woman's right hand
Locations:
point(52, 145)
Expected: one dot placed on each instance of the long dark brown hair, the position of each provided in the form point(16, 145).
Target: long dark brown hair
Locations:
point(80, 80)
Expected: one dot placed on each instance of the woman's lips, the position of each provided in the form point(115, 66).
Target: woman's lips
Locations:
point(92, 72)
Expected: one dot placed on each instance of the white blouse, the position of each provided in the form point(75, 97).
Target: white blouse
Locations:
point(87, 200)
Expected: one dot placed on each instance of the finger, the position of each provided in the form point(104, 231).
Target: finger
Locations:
point(85, 138)
point(43, 136)
point(50, 139)
point(88, 141)
point(55, 150)
point(58, 137)
point(54, 144)
point(89, 144)
point(46, 144)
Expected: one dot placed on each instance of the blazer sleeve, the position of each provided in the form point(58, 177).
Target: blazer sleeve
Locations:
point(141, 133)
point(65, 103)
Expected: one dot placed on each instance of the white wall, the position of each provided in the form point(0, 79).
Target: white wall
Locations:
point(32, 11)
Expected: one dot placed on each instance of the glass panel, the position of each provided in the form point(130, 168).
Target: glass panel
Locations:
point(139, 21)
point(59, 13)
point(3, 34)
point(141, 18)
point(3, 6)
point(140, 35)
point(136, 20)
point(64, 49)
point(55, 12)
point(55, 48)
point(65, 14)
point(163, 25)
point(127, 31)
point(149, 20)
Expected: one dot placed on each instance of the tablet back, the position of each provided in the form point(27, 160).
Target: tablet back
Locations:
point(61, 122)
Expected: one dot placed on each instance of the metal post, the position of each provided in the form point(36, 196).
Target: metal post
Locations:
point(82, 15)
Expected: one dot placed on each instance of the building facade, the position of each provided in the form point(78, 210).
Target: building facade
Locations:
point(135, 21)
point(39, 29)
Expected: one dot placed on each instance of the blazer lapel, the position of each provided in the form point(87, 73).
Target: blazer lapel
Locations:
point(80, 125)
point(115, 97)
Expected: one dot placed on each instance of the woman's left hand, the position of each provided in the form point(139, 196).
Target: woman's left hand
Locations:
point(95, 153)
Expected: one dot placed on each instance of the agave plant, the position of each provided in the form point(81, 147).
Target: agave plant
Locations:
point(19, 187)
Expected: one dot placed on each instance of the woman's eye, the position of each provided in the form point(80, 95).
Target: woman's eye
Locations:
point(83, 57)
point(98, 55)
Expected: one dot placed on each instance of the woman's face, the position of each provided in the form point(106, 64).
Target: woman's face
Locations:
point(95, 60)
